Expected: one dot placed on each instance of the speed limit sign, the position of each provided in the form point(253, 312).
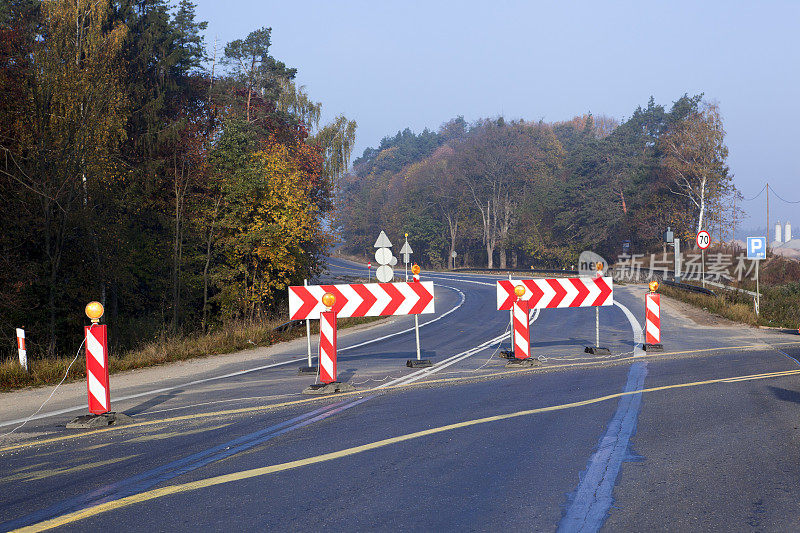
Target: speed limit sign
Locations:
point(703, 240)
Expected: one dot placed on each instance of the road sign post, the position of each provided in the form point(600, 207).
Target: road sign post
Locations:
point(406, 252)
point(597, 349)
point(703, 241)
point(756, 251)
point(308, 369)
point(384, 257)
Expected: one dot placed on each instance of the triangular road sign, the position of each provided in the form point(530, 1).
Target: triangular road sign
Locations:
point(383, 241)
point(406, 249)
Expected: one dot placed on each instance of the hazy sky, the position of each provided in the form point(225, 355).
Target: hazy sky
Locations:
point(392, 65)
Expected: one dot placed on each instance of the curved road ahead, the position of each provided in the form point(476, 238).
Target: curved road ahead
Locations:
point(703, 436)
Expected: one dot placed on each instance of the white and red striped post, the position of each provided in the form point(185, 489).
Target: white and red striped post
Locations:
point(97, 369)
point(23, 353)
point(411, 363)
point(652, 321)
point(522, 330)
point(327, 347)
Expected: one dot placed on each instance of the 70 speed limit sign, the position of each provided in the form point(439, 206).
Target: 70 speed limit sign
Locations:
point(703, 239)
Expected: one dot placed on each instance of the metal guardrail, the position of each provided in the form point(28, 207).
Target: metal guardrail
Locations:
point(526, 270)
point(286, 326)
point(687, 287)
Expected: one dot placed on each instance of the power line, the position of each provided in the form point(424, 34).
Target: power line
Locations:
point(784, 199)
point(757, 195)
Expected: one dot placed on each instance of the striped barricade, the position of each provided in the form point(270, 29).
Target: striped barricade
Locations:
point(97, 369)
point(652, 319)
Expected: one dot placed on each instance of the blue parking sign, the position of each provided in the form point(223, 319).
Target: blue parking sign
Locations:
point(756, 247)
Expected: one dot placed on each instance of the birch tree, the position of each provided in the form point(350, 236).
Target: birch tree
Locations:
point(695, 160)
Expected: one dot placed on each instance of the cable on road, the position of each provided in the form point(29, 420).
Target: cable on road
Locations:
point(544, 358)
point(51, 394)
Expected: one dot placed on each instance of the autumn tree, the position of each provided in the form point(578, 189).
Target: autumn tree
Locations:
point(695, 159)
point(71, 124)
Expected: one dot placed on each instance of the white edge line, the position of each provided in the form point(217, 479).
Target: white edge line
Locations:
point(232, 374)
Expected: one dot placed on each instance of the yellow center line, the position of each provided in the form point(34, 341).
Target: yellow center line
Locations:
point(260, 408)
point(263, 471)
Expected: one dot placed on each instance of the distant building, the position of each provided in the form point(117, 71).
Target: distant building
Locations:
point(784, 244)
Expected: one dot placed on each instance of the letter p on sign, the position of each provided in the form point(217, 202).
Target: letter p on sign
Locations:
point(756, 247)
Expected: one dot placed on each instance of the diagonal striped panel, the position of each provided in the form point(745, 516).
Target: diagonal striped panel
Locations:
point(97, 391)
point(551, 293)
point(370, 299)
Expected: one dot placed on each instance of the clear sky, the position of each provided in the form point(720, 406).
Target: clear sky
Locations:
point(392, 65)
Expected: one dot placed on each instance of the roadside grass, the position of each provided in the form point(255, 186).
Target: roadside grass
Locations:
point(780, 304)
point(167, 349)
point(737, 311)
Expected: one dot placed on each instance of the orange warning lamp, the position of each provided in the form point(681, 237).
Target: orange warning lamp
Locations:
point(653, 286)
point(94, 310)
point(415, 269)
point(519, 290)
point(328, 300)
point(600, 267)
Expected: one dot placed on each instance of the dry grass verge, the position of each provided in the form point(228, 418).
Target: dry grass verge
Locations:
point(233, 338)
point(780, 305)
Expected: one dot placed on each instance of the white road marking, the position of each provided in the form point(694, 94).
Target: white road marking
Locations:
point(232, 374)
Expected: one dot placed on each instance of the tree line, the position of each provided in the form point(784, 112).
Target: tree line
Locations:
point(505, 194)
point(182, 186)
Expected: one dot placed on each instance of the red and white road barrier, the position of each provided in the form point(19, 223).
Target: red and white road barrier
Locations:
point(364, 299)
point(652, 319)
point(522, 331)
point(557, 292)
point(23, 353)
point(327, 347)
point(97, 369)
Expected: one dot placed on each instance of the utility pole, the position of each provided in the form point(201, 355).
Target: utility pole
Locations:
point(768, 217)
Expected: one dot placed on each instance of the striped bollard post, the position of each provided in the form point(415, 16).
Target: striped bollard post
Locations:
point(23, 353)
point(522, 331)
point(653, 320)
point(97, 369)
point(97, 384)
point(327, 347)
point(327, 352)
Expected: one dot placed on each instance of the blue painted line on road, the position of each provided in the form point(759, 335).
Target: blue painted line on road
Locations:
point(151, 478)
point(589, 505)
point(786, 354)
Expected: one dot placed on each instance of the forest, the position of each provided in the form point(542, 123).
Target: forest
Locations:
point(182, 184)
point(522, 194)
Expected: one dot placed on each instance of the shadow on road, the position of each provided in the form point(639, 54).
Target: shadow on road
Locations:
point(785, 395)
point(152, 402)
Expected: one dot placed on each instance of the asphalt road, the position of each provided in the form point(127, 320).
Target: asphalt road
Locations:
point(702, 437)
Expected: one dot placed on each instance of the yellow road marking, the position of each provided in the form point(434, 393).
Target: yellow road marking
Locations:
point(44, 474)
point(291, 403)
point(263, 471)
